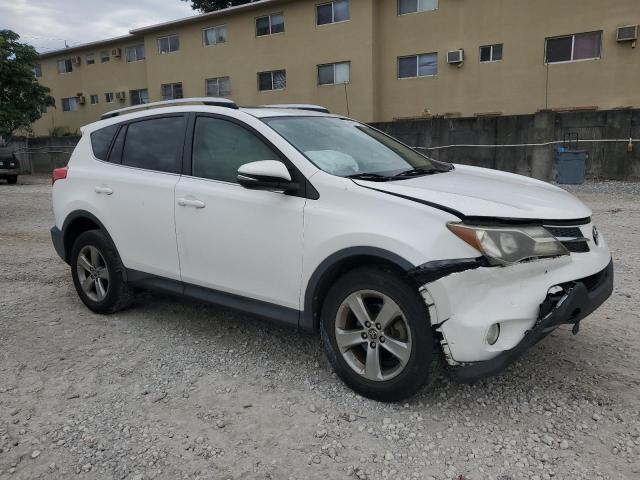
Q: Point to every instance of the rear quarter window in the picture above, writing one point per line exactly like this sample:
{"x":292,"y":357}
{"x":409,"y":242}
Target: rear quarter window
{"x":101,"y":141}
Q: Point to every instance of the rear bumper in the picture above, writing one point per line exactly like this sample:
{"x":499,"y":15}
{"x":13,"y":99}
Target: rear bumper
{"x":9,"y":172}
{"x":579,"y":299}
{"x":58,"y":242}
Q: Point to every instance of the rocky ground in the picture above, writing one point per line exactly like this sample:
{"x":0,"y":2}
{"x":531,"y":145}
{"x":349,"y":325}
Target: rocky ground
{"x":176,"y":389}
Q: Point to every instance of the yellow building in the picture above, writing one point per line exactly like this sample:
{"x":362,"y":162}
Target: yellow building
{"x":375,"y":60}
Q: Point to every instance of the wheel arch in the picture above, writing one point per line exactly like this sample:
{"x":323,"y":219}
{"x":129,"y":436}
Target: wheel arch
{"x":76,"y":223}
{"x":337,"y":265}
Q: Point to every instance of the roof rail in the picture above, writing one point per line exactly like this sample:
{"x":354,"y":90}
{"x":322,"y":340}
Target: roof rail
{"x":299,"y":106}
{"x":212,"y":101}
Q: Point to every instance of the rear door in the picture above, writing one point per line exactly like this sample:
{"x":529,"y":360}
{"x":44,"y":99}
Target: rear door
{"x":134,"y":192}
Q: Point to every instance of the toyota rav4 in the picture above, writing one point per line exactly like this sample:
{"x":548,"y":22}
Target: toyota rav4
{"x":402,"y":263}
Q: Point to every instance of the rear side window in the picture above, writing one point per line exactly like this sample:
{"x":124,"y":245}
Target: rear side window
{"x":101,"y":141}
{"x":221,"y":147}
{"x":154,"y":144}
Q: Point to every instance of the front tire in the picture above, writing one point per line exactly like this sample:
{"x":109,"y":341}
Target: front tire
{"x":12,"y":180}
{"x":98,"y":273}
{"x":377,"y":335}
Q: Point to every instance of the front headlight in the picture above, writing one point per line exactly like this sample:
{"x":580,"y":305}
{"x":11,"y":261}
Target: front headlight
{"x":509,"y":244}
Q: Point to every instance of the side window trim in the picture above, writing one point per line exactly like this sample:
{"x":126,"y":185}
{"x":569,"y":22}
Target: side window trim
{"x":306,"y":191}
{"x":123,"y":129}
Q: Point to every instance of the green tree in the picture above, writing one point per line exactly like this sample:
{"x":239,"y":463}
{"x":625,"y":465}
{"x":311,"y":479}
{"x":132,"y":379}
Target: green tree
{"x":22,"y":98}
{"x":205,"y":6}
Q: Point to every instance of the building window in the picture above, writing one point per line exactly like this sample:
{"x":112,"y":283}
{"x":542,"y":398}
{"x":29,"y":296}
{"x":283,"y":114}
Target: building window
{"x":218,"y":87}
{"x":139,"y":97}
{"x":270,"y":24}
{"x":168,"y":44}
{"x":414,"y":6}
{"x":70,"y":104}
{"x":332,"y":12}
{"x":94,"y":99}
{"x":170,"y":91}
{"x":214,"y":35}
{"x":105,"y":56}
{"x":275,"y":80}
{"x":37,"y":70}
{"x":90,"y":59}
{"x":491,"y":53}
{"x":109,"y":97}
{"x":425,"y":65}
{"x":65,"y":66}
{"x":135,"y":53}
{"x":334,"y":73}
{"x":569,"y":48}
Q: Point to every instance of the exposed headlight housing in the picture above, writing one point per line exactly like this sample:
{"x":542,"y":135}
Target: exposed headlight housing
{"x":506,"y":245}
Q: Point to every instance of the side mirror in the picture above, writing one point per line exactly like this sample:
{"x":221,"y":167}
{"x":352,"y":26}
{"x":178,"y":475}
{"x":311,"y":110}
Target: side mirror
{"x":269,"y":175}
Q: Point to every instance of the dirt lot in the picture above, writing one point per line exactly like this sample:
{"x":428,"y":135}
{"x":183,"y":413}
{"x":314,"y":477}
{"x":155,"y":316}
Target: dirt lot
{"x":176,"y":389}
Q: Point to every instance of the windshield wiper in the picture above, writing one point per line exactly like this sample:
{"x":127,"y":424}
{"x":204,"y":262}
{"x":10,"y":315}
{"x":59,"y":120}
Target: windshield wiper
{"x":415,"y":172}
{"x":372,"y":177}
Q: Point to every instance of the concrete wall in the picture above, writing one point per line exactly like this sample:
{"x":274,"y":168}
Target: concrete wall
{"x":606,"y":160}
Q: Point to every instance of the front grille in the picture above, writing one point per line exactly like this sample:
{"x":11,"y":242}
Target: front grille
{"x":567,"y":234}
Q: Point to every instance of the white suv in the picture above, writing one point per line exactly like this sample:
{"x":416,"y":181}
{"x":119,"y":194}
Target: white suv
{"x":323,"y":223}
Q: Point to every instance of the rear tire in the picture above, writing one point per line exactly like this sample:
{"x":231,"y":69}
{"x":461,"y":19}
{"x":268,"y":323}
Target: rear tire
{"x":12,"y":180}
{"x":98,"y":273}
{"x":398,"y":335}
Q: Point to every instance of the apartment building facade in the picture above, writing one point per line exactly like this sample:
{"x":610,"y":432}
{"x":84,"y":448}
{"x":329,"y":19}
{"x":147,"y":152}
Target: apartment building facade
{"x":374,"y":60}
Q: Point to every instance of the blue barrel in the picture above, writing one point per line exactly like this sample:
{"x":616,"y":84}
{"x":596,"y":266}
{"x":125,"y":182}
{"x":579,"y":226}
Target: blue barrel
{"x":570,"y":166}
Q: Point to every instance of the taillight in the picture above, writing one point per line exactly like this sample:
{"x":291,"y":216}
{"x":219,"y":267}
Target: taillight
{"x":59,"y":174}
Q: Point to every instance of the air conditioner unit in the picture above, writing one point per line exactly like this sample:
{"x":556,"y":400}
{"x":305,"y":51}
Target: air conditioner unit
{"x":122,"y":96}
{"x":628,"y":33}
{"x":82,"y":99}
{"x":116,"y":52}
{"x":76,"y":60}
{"x":455,"y":57}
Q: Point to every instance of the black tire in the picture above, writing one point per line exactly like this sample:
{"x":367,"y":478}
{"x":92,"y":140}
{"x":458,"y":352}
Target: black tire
{"x":12,"y":180}
{"x":118,"y":294}
{"x":423,"y":366}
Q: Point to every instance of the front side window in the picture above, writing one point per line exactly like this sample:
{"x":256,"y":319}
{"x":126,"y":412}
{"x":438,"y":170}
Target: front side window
{"x":414,"y":6}
{"x":109,"y":97}
{"x":332,"y":12}
{"x":424,"y":65}
{"x":94,"y":99}
{"x":168,"y":44}
{"x":154,"y":144}
{"x":70,"y":104}
{"x":334,"y":73}
{"x":135,"y":53}
{"x":214,"y":35}
{"x":270,"y":24}
{"x":220,"y":147}
{"x":276,"y":80}
{"x":569,"y":48}
{"x":169,"y":91}
{"x":90,"y":58}
{"x":139,"y":97}
{"x":218,"y":87}
{"x":65,"y":66}
{"x":101,"y":141}
{"x":105,"y":56}
{"x":491,"y":53}
{"x":344,"y":147}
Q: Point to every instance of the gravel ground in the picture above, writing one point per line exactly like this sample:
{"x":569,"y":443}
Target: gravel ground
{"x":176,"y":389}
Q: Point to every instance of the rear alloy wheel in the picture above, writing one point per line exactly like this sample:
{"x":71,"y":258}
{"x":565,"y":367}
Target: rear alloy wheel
{"x":98,"y":273}
{"x":377,"y":335}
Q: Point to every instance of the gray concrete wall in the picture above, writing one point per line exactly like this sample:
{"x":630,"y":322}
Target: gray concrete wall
{"x":606,"y":160}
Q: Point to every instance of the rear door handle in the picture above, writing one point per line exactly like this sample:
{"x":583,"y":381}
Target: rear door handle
{"x":191,"y":202}
{"x":103,"y":189}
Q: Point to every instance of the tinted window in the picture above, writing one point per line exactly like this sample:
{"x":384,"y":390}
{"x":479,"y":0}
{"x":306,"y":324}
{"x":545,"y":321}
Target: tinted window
{"x":221,"y":147}
{"x":154,"y":144}
{"x":101,"y":141}
{"x":116,"y":150}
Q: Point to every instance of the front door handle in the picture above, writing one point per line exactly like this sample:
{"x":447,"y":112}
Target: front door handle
{"x":191,"y":202}
{"x":103,"y":189}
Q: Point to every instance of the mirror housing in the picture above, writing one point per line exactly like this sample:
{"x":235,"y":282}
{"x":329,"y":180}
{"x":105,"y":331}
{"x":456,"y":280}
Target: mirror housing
{"x":271,"y":175}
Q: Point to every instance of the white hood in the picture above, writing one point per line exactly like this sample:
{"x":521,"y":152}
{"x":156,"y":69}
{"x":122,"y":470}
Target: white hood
{"x":482,"y":192}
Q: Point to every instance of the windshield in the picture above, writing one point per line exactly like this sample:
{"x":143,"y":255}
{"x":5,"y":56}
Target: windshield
{"x":350,"y":149}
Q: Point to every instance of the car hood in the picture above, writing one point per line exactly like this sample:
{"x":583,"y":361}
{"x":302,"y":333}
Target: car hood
{"x":483,"y":192}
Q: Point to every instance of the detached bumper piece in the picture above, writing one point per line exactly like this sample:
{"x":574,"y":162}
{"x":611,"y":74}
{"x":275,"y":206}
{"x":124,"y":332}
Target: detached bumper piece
{"x":575,"y":301}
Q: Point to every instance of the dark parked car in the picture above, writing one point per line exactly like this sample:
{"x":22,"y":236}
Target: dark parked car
{"x":9,"y":165}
